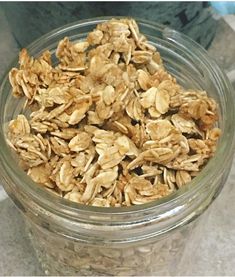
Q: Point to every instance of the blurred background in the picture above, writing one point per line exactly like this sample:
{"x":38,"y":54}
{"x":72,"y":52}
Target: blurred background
{"x":30,"y":20}
{"x":212,"y":24}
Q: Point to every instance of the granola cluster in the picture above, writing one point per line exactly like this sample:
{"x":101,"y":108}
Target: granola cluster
{"x":108,"y":125}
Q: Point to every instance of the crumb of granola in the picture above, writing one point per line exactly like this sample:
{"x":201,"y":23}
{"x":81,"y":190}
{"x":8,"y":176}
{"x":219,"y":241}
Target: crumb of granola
{"x":108,"y":125}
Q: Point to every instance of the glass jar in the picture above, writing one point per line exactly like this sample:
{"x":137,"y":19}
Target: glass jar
{"x":149,"y":239}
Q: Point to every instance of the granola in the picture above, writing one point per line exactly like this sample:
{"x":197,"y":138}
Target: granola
{"x":108,"y":125}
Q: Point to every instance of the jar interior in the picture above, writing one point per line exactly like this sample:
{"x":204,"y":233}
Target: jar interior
{"x":182,"y":63}
{"x":190,"y":70}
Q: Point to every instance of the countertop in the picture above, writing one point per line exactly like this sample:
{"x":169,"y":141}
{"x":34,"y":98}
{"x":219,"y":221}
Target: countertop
{"x":215,"y":254}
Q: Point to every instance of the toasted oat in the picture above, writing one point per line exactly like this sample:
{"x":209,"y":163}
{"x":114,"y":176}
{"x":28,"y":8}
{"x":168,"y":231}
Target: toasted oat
{"x":80,"y":142}
{"x":109,"y":126}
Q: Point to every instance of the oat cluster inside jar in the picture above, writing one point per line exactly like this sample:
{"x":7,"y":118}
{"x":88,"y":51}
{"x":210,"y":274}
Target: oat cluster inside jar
{"x":108,"y":125}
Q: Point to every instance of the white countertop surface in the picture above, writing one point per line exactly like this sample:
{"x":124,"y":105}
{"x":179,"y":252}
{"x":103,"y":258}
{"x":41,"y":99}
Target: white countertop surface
{"x":215,"y":254}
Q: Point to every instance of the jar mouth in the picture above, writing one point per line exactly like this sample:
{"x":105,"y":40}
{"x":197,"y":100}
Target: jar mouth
{"x":10,"y":168}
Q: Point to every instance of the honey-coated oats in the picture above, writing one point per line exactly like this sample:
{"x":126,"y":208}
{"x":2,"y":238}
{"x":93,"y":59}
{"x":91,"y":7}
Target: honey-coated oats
{"x":108,"y":125}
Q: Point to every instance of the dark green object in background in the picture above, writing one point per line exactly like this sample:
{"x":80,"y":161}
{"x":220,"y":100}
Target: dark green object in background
{"x":29,"y":21}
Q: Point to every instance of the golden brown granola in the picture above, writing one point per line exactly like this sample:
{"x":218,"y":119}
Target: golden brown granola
{"x":109,"y":126}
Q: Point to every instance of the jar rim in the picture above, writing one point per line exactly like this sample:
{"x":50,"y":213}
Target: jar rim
{"x":223,"y":152}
